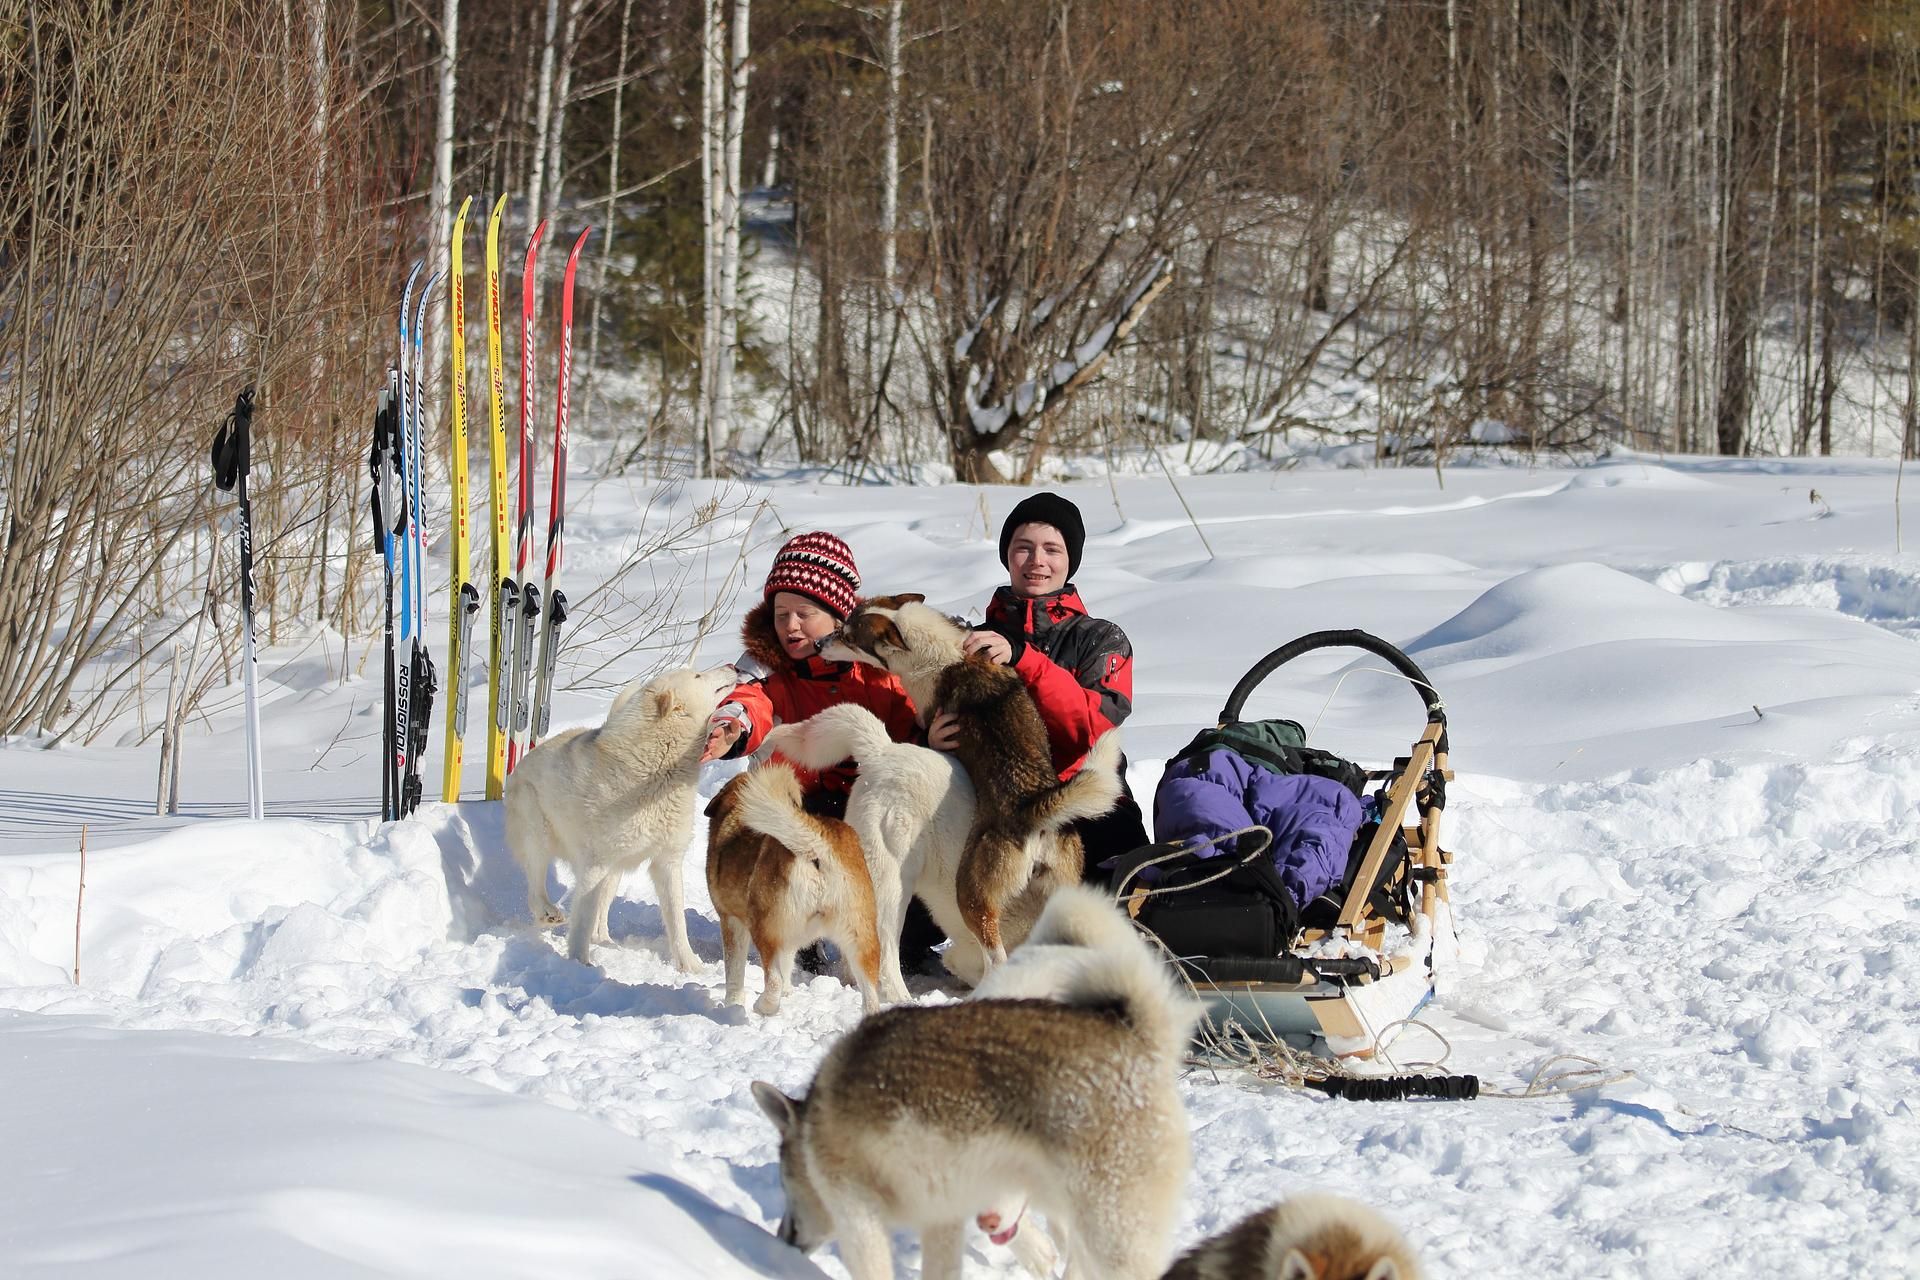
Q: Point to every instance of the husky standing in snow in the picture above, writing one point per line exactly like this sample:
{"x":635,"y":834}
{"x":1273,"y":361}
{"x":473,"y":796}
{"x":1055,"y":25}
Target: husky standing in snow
{"x":782,"y":878}
{"x":911,"y":808}
{"x":1018,"y":849}
{"x":607,"y":800}
{"x":923,"y":1116}
{"x":1308,"y":1237}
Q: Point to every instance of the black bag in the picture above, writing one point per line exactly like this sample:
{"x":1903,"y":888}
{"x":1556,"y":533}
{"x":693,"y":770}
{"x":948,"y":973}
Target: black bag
{"x":1244,"y":912}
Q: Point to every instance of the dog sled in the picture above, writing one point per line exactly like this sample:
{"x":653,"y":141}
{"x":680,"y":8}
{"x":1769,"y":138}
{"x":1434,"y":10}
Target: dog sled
{"x":1343,"y":974}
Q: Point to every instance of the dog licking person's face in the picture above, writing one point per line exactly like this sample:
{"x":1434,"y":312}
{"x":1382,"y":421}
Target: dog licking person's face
{"x":800,"y":624}
{"x":1037,"y":560}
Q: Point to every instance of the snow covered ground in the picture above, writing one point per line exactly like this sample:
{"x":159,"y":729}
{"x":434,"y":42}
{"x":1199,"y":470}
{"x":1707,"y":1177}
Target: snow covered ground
{"x":1685,"y":701}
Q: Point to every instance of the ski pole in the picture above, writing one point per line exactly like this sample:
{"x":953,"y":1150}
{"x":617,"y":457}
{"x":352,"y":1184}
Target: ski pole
{"x":232,"y":457}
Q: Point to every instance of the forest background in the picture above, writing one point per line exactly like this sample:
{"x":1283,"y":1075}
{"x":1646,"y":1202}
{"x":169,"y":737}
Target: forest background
{"x":972,"y":240}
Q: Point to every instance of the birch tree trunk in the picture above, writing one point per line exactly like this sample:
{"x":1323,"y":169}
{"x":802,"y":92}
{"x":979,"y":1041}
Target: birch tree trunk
{"x":890,"y":157}
{"x":440,"y":202}
{"x":606,"y":239}
{"x":542,"y":112}
{"x":736,"y":119}
{"x":712,"y":150}
{"x":557,"y":118}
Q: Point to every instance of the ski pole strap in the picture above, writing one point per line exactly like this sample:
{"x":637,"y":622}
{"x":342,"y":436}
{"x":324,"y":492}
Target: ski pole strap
{"x":232,"y":443}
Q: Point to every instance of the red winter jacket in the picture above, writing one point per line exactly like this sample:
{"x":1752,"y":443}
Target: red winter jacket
{"x":786,"y":692}
{"x":1079,"y":669}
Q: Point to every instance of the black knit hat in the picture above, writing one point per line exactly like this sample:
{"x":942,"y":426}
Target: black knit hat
{"x":1048,"y":508}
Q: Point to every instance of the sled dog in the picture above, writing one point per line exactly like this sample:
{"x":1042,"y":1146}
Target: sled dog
{"x":607,"y":800}
{"x":1308,"y":1237}
{"x":924,"y":1115}
{"x":782,"y":878}
{"x":1018,"y":850}
{"x":911,"y":808}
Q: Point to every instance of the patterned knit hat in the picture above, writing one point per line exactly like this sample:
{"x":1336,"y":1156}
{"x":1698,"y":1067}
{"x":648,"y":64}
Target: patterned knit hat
{"x":820,"y":567}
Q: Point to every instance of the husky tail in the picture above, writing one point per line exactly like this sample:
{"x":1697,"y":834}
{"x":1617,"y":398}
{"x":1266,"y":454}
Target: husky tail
{"x":828,"y":737}
{"x":1087,"y":794}
{"x":770,"y":804}
{"x":1084,"y":951}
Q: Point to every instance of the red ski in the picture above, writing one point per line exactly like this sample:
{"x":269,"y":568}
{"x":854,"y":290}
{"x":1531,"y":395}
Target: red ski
{"x":556,"y":612}
{"x":528,"y":594}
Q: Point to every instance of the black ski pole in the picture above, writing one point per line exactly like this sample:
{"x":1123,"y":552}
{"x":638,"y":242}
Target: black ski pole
{"x":232,"y":458}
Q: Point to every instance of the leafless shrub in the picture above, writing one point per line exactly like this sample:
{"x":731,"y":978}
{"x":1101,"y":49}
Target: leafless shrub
{"x":160,"y":248}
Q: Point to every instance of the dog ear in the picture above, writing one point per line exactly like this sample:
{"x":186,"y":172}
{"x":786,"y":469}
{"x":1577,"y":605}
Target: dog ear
{"x":885,"y":631}
{"x":1296,"y":1267}
{"x":718,"y":803}
{"x":1385,"y":1269}
{"x":782,"y":1110}
{"x":662,"y":701}
{"x":909,"y":597}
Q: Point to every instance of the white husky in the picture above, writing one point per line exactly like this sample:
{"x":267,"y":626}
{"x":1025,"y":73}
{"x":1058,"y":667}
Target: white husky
{"x":606,"y":800}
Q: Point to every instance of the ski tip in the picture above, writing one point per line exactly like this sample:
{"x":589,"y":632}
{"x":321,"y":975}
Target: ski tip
{"x":499,"y":206}
{"x":579,"y":244}
{"x":465,"y":205}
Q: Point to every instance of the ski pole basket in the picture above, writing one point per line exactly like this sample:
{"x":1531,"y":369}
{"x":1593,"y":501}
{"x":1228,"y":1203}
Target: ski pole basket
{"x":1348,"y":966}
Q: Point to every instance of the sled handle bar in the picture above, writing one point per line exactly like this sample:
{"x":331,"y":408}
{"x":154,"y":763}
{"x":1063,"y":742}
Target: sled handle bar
{"x":1436,"y":709}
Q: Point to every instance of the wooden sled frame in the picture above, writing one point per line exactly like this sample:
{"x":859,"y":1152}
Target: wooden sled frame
{"x":1355,"y":1013}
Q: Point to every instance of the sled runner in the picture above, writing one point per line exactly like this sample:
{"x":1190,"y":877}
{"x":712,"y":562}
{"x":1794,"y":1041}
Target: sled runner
{"x":1351,"y":964}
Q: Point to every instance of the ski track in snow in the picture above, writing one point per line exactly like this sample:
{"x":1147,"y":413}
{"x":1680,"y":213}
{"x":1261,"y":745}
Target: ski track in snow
{"x":1736,"y":928}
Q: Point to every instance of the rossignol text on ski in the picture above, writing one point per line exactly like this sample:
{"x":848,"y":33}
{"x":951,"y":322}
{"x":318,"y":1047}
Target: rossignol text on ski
{"x":389,"y":515}
{"x":419,"y":662}
{"x":403,"y":680}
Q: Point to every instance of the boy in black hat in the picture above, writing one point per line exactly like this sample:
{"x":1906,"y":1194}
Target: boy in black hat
{"x":1078,"y":668}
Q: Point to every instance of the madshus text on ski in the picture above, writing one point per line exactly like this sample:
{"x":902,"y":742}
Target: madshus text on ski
{"x":527,"y":610}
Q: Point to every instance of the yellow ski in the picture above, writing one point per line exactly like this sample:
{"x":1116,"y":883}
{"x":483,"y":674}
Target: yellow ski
{"x":497,"y":391}
{"x":466,"y":598}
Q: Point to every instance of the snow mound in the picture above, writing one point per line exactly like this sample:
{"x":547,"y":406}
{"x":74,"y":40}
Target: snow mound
{"x":1565,"y":607}
{"x":1635,"y":675}
{"x":183,"y":1154}
{"x":1283,"y":571}
{"x":1882,"y":590}
{"x":1638,"y":475}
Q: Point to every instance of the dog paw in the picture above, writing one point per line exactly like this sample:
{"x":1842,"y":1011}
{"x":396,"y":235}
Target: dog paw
{"x":767,"y":1005}
{"x":688,"y":963}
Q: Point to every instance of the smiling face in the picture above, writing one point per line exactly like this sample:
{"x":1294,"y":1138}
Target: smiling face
{"x":1037,"y":560}
{"x":799,"y":623}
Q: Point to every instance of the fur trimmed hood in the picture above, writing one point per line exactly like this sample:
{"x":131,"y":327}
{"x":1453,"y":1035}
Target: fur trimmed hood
{"x":759,"y":642}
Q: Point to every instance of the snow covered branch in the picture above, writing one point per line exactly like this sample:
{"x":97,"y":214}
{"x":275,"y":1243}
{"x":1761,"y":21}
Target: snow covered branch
{"x":1033,"y":397}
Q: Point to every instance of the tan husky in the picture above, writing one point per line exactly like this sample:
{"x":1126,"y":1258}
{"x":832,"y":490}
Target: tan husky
{"x":923,"y":1116}
{"x":1309,"y":1237}
{"x":1018,"y":850}
{"x":782,"y":878}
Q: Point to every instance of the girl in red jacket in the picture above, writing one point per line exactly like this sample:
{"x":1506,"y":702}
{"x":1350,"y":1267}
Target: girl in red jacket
{"x":812,"y":587}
